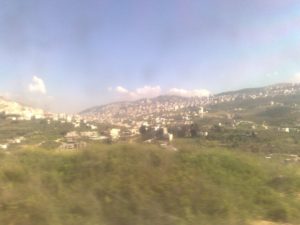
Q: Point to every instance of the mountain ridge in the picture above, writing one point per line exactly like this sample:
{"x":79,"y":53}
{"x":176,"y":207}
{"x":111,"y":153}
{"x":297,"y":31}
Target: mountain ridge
{"x":281,"y":88}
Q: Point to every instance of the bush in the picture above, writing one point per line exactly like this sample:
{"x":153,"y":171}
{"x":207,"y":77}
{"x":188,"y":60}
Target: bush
{"x":144,"y":185}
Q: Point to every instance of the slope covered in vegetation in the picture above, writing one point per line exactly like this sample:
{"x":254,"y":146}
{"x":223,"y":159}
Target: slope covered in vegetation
{"x":145,"y":185}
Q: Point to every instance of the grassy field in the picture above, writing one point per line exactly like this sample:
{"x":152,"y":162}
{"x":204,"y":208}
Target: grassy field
{"x":128,"y":184}
{"x":34,"y":130}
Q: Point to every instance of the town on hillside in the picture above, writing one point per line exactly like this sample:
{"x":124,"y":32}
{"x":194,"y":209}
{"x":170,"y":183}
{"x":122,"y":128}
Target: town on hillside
{"x":247,"y":113}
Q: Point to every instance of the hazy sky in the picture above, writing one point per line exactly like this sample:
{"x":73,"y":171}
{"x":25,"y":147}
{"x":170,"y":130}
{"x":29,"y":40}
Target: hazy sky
{"x":66,"y":55}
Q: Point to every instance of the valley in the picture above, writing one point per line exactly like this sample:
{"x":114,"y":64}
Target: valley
{"x":230,"y":159}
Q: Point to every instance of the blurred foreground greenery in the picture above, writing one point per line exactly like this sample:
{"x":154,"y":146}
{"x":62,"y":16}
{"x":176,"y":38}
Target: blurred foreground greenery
{"x":132,"y":184}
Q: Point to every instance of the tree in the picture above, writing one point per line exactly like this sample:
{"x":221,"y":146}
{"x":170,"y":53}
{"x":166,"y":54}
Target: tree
{"x":143,"y":130}
{"x":147,"y":132}
{"x":194,"y":130}
{"x":160,"y":133}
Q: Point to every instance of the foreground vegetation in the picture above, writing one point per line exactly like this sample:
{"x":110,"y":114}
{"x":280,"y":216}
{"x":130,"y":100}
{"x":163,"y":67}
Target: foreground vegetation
{"x":146,"y":185}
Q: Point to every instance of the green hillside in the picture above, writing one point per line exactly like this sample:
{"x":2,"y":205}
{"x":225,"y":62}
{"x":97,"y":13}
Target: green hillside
{"x":284,"y":112}
{"x":145,"y":185}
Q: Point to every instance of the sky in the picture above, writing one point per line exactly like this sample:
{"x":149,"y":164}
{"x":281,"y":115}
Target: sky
{"x":68,"y":55}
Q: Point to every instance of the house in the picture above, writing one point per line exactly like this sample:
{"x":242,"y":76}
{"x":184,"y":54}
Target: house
{"x":92,"y":135}
{"x":69,"y":119}
{"x":204,"y":134}
{"x":16,"y":140}
{"x":265,"y":127}
{"x":72,"y":142}
{"x":3,"y":146}
{"x":170,"y":137}
{"x":72,"y":145}
{"x":115,"y":133}
{"x":76,"y":125}
{"x":103,"y":138}
{"x":93,"y":127}
{"x":72,"y":136}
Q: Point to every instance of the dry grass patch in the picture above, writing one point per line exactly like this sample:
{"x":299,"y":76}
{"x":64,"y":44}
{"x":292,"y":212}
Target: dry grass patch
{"x":263,"y":222}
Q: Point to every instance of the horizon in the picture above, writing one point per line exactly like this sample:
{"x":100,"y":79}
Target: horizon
{"x":168,"y":94}
{"x":69,"y":56}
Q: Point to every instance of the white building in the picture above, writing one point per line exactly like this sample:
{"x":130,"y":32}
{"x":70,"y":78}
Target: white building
{"x":115,"y":133}
{"x":3,"y":146}
{"x":93,"y":127}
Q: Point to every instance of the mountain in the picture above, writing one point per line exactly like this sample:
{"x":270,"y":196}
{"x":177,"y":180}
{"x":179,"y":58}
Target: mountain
{"x":287,"y":94}
{"x":272,"y":90}
{"x":170,"y":104}
{"x":277,"y":105}
{"x":12,"y":108}
{"x":159,"y":101}
{"x":143,"y":109}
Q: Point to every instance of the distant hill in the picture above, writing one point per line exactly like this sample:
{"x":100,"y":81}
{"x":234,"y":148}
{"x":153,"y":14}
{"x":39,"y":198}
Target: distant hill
{"x":145,"y":101}
{"x":286,"y":94}
{"x":9,"y":107}
{"x":158,"y":108}
{"x":276,"y":89}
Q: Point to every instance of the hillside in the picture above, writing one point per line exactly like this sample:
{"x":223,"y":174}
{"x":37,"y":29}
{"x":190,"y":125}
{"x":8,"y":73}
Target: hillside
{"x":159,"y":101}
{"x":271,"y":90}
{"x":234,"y":160}
{"x":145,"y":185}
{"x":232,"y":96}
{"x":276,"y":105}
{"x":9,"y":107}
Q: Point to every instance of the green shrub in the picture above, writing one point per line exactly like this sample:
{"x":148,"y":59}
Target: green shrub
{"x":144,"y":185}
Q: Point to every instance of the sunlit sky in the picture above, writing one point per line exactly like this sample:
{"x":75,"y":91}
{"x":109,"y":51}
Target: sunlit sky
{"x":67,"y":55}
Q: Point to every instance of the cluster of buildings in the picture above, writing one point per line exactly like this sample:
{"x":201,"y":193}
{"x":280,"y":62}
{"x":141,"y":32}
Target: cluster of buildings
{"x":167,"y":110}
{"x":16,"y":111}
{"x":72,"y":141}
{"x":7,"y":143}
{"x":78,"y":139}
{"x":161,"y":112}
{"x":258,"y":93}
{"x":126,"y":118}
